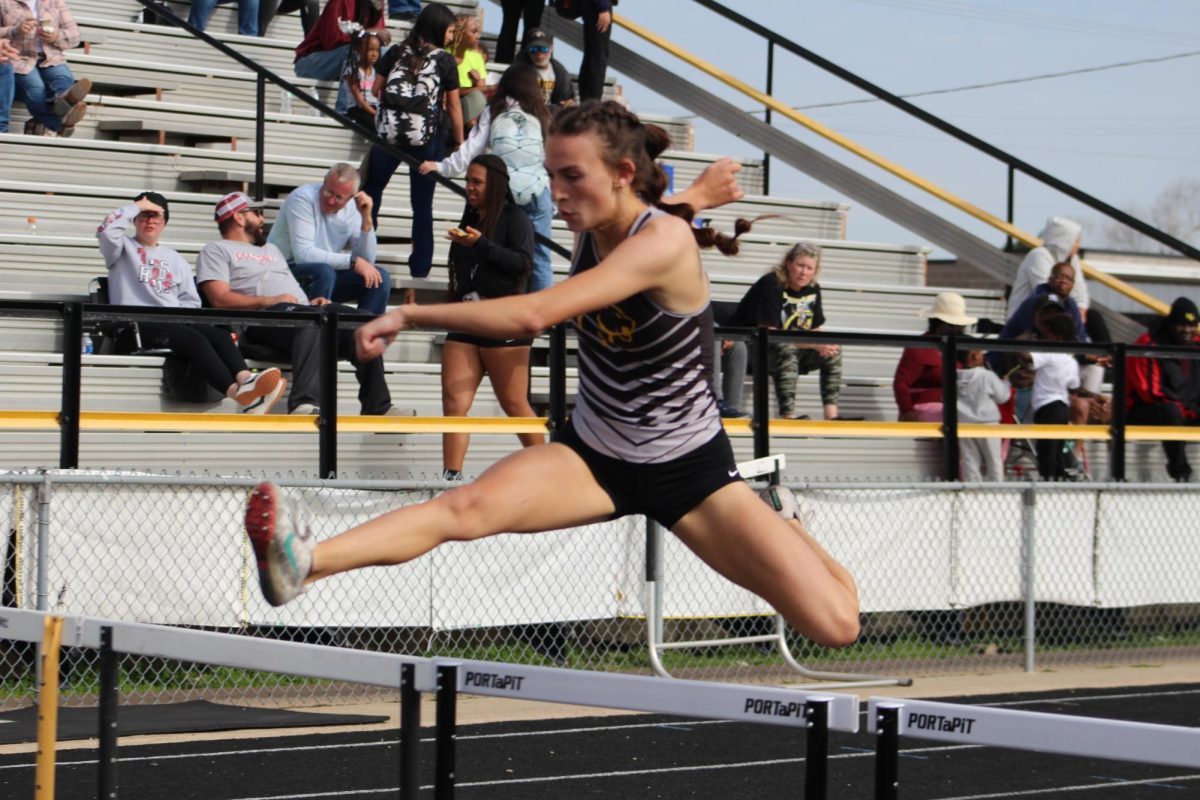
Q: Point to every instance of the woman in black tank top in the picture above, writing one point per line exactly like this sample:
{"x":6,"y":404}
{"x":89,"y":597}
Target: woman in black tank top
{"x":603,"y":179}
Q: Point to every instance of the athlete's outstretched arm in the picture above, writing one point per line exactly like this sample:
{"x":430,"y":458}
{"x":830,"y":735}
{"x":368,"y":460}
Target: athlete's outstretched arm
{"x":643,"y":262}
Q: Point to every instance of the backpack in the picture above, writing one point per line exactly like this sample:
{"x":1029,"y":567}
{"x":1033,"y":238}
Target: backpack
{"x":409,"y":109}
{"x":516,"y":137}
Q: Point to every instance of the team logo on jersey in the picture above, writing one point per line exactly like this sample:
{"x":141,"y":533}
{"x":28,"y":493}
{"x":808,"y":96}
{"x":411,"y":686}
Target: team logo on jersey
{"x":611,"y":325}
{"x":155,"y":273}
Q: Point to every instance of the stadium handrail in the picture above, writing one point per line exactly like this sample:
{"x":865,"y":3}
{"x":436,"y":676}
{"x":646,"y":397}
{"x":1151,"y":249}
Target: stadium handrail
{"x":906,"y":174}
{"x":70,"y":420}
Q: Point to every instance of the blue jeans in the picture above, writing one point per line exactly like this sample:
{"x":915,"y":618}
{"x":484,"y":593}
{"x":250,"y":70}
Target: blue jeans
{"x":342,"y":285}
{"x":539,"y":210}
{"x":247,"y":15}
{"x":328,"y":65}
{"x":380,"y":169}
{"x":6,"y":95}
{"x":404,"y":6}
{"x":39,"y":88}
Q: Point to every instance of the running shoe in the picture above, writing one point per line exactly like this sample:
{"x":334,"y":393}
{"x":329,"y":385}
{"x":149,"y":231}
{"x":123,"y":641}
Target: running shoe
{"x":283,"y":545}
{"x":261,"y":391}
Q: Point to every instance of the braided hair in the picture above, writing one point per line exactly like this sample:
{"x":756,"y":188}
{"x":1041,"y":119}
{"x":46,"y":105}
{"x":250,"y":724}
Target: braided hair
{"x":627,"y":137}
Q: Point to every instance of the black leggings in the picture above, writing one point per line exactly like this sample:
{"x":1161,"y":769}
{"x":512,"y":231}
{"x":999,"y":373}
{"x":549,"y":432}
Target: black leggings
{"x":1049,"y":451}
{"x":506,"y":42}
{"x":1166,"y":413}
{"x":210,"y":349}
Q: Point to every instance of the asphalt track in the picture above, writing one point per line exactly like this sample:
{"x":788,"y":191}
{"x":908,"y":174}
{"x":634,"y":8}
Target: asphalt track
{"x":640,"y":756}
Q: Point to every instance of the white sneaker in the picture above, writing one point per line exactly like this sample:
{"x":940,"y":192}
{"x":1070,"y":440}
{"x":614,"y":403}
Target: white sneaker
{"x":311,"y":409}
{"x":396,"y":411}
{"x":283,"y":545}
{"x":261,"y":391}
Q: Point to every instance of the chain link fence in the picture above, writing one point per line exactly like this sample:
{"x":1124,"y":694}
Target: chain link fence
{"x":952,"y":579}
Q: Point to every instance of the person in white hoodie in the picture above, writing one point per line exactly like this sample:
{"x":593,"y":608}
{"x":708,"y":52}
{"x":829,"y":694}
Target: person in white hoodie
{"x":1060,"y":242}
{"x":980,"y":393}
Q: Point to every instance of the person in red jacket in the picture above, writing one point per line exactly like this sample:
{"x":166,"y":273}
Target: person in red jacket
{"x":917,"y":384}
{"x":1166,"y":391}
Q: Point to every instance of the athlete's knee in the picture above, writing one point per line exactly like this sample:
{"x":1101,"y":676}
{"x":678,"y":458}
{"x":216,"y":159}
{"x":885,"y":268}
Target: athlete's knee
{"x":466,"y":507}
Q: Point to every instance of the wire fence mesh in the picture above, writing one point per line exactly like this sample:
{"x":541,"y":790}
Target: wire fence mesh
{"x":952,"y":578}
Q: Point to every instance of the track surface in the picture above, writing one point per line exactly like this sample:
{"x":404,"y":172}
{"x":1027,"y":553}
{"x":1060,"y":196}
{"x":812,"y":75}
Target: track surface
{"x":638,"y":757}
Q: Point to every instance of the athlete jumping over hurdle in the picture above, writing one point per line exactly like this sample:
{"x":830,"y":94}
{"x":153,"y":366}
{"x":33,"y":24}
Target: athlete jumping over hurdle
{"x":645,"y":436}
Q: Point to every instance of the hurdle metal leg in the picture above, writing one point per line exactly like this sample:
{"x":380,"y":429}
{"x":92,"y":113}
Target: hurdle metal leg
{"x":887,"y":748}
{"x":447,"y":712}
{"x":816,"y":772}
{"x":109,"y":701}
{"x":410,"y":733}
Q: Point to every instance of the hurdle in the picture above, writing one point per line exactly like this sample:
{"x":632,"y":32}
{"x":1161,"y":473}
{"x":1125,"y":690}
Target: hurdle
{"x":771,"y":466}
{"x":816,"y":713}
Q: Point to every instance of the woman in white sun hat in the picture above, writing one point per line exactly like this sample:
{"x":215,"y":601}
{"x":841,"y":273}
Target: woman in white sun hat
{"x":917,"y":384}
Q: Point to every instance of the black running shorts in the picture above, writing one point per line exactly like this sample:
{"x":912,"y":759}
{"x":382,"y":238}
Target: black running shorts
{"x":665,"y":491}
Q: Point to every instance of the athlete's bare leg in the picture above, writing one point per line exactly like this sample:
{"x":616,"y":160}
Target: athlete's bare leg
{"x":747,"y":542}
{"x":540,"y":488}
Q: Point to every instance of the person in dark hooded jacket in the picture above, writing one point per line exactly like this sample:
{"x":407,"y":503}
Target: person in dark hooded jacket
{"x":1166,"y":391}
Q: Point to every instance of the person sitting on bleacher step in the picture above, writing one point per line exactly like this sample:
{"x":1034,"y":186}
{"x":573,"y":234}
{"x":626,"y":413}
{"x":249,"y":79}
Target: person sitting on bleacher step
{"x":329,"y":242}
{"x":142,"y":272}
{"x":43,"y":30}
{"x":242,"y":270}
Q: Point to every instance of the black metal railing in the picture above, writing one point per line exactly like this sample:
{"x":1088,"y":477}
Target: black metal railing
{"x":1013,"y":163}
{"x":76,"y":317}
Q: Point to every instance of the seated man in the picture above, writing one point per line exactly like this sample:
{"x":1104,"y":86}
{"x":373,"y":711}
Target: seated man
{"x":42,"y":78}
{"x":142,"y":272}
{"x":243,"y":271}
{"x":329,"y":242}
{"x":1166,"y":391}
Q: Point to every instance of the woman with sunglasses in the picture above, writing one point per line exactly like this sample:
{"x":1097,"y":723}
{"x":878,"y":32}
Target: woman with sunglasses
{"x":644,"y":438}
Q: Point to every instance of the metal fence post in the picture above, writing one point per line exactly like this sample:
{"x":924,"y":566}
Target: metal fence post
{"x":447,"y":725}
{"x":558,"y":377}
{"x":327,"y":422}
{"x":72,"y":366}
{"x":260,"y":134}
{"x":410,"y":733}
{"x":1028,"y":506}
{"x":762,"y":405}
{"x":816,"y":771}
{"x":42,"y":588}
{"x":887,"y":747}
{"x":110,"y":674}
{"x":766,"y":189}
{"x":1116,"y":461}
{"x":950,"y":407}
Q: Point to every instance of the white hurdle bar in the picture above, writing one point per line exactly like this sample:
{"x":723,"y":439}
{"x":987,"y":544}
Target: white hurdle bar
{"x":1062,"y":734}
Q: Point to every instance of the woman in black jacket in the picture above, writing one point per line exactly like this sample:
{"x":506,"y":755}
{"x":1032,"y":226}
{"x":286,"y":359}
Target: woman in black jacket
{"x":490,"y":256}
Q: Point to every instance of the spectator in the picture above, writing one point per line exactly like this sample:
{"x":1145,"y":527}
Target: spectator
{"x":472,"y":67}
{"x":506,"y":42}
{"x":789,"y":298}
{"x":242,"y":270}
{"x":143,"y":272}
{"x":41,"y":77}
{"x":317,"y":226}
{"x":513,"y":127}
{"x":403,"y":10}
{"x":325,"y":50}
{"x":248,"y":13}
{"x":538,"y":50}
{"x":1060,"y":242}
{"x":490,"y":256}
{"x":1056,"y":376}
{"x":1166,"y":391}
{"x":1059,"y":283}
{"x":979,"y":392}
{"x":362,"y":79}
{"x":7,"y":54}
{"x":597,"y":29}
{"x":917,"y":384}
{"x":417,"y":80}
{"x":310,"y":12}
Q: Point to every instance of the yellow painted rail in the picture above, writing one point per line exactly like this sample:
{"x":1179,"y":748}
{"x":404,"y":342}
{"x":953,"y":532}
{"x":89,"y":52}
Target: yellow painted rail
{"x":283,"y":423}
{"x":1028,"y":239}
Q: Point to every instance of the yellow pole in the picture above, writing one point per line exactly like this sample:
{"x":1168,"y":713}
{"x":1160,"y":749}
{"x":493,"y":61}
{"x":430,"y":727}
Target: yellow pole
{"x":47,"y":728}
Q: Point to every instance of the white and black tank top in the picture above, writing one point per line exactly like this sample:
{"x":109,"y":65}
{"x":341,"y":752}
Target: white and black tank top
{"x":645,"y":374}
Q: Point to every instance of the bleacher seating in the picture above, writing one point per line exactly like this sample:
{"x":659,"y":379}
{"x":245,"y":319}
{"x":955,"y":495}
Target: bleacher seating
{"x":171,"y":113}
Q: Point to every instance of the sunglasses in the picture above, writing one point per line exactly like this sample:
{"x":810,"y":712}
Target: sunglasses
{"x":539,"y":50}
{"x":147,"y":216}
